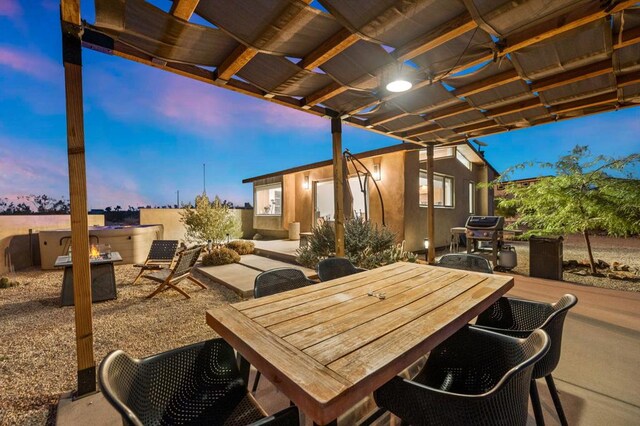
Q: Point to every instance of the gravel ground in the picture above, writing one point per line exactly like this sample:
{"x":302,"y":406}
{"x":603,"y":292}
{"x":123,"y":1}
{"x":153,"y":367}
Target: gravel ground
{"x":623,"y":250}
{"x":37,"y":353}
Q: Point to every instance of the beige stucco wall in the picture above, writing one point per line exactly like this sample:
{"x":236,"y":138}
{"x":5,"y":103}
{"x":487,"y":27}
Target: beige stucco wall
{"x":174,"y":229}
{"x":19,"y":225}
{"x":445,"y":218}
{"x":299,"y":206}
{"x":399,"y":186}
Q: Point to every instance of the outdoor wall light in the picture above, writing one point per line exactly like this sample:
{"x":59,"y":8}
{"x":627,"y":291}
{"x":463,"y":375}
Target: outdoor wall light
{"x":399,"y":85}
{"x":305,"y":182}
{"x":376,"y":174}
{"x":426,"y":243}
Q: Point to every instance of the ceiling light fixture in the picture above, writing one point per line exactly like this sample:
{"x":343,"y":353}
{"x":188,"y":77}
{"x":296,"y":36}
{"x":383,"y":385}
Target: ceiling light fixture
{"x":399,"y":85}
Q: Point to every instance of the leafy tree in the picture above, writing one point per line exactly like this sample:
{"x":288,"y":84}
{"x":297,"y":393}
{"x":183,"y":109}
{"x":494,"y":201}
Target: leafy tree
{"x":31,"y":204}
{"x":582,"y":197}
{"x":210,"y":221}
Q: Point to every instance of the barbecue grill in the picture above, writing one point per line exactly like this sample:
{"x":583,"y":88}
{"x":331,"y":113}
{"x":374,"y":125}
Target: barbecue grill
{"x":484,"y":236}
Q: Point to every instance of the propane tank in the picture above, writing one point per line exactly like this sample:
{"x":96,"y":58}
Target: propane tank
{"x":507,"y":258}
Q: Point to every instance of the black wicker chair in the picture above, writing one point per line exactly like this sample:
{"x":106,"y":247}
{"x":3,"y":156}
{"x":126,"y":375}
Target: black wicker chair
{"x":196,"y":385}
{"x":468,"y":262}
{"x":517,"y":317}
{"x":336,"y":267}
{"x":476,"y":377}
{"x":276,"y":281}
{"x":160,"y":256}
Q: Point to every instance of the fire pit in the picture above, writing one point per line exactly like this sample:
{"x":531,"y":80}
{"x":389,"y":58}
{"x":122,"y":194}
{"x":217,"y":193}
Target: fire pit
{"x":103,"y":276}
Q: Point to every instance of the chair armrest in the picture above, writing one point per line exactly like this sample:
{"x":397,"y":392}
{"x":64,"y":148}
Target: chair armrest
{"x":287,"y":417}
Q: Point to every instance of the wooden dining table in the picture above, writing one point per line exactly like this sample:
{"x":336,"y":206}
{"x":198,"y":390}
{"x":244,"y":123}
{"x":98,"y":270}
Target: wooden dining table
{"x":329,"y":345}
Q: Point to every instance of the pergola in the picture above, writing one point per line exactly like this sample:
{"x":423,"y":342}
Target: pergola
{"x":477,"y":67}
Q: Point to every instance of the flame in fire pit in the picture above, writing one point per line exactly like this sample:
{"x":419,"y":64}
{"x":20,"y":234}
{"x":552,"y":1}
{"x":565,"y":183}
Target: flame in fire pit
{"x":94,"y":253}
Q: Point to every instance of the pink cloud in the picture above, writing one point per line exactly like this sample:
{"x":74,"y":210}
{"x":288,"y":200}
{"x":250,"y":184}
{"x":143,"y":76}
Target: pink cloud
{"x":10,"y":9}
{"x":30,"y":63}
{"x":136,"y":93}
{"x":31,"y":169}
{"x":282,"y":118}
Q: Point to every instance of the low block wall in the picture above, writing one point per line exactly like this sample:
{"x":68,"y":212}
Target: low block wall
{"x":174,"y":229}
{"x":17,"y":251}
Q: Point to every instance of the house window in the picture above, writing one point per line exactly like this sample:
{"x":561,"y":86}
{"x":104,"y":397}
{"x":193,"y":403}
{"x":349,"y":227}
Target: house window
{"x":442,"y":193}
{"x":439,"y":152}
{"x":269,"y":200}
{"x":472,"y":198}
{"x":324,"y":204}
{"x":464,"y":160}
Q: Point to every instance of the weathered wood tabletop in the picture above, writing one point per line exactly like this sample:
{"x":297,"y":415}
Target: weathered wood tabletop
{"x":329,"y":345}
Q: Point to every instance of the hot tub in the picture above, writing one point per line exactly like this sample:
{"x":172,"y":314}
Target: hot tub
{"x":132,"y":242}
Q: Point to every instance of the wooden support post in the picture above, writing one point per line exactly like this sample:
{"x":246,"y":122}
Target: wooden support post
{"x":72,"y":58}
{"x":338,"y":184}
{"x":431,"y":251}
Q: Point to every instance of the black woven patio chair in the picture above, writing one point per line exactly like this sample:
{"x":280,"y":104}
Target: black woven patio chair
{"x":517,"y":317}
{"x":193,"y":385}
{"x":169,"y":278}
{"x":336,"y":267}
{"x":476,"y":377}
{"x":276,"y":281}
{"x":161,"y":255}
{"x":468,"y":262}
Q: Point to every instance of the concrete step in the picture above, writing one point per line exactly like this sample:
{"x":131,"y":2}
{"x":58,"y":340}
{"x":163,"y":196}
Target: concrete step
{"x":240,"y":277}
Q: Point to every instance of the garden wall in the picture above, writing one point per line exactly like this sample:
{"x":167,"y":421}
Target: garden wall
{"x":174,"y":229}
{"x":19,"y":249}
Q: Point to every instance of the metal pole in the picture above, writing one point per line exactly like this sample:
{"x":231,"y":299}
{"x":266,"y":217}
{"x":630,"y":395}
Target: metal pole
{"x":338,"y":184}
{"x":204,"y":180}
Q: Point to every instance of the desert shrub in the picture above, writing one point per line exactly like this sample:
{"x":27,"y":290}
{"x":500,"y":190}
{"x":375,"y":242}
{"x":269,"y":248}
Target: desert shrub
{"x":210,"y":221}
{"x":366,"y":245}
{"x":241,"y":246}
{"x":5,"y":282}
{"x":220,"y":256}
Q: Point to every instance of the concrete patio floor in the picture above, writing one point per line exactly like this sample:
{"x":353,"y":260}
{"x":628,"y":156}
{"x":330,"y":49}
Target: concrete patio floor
{"x":598,"y":376}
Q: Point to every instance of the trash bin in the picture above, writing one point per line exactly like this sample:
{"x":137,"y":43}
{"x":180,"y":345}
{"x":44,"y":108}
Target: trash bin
{"x":545,"y":257}
{"x":294,"y":231}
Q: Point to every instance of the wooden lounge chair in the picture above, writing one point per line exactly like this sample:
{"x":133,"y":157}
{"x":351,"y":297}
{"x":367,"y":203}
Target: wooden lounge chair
{"x":160,"y":256}
{"x":169,"y":278}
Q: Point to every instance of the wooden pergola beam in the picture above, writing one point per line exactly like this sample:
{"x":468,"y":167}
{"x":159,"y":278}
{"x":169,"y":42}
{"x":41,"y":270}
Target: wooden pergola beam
{"x":628,"y":79}
{"x":70,"y":11}
{"x":603,"y":99}
{"x":328,"y":49}
{"x":534,"y":35}
{"x":628,"y":38}
{"x":418,"y":46}
{"x":437,"y":37}
{"x":72,"y":60}
{"x":583,"y":73}
{"x":487,"y":83}
{"x":242,"y":54}
{"x":476,"y":126}
{"x":428,"y":128}
{"x":515,"y":107}
{"x":559,"y":25}
{"x":183,"y":9}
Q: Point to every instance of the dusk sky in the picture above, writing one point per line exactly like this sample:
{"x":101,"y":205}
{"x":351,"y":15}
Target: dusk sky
{"x":148,"y":132}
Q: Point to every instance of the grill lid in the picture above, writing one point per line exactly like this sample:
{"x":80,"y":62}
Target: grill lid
{"x":485,"y":222}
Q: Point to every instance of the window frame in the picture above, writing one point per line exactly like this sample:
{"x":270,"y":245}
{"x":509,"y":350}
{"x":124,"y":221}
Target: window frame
{"x":267,"y":187}
{"x":471,"y":198}
{"x":444,"y":177}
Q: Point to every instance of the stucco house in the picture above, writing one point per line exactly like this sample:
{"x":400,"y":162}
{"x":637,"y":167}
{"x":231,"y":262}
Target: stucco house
{"x":305,"y":193}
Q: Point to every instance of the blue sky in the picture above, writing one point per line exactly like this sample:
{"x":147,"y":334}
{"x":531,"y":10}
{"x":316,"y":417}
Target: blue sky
{"x":148,"y":132}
